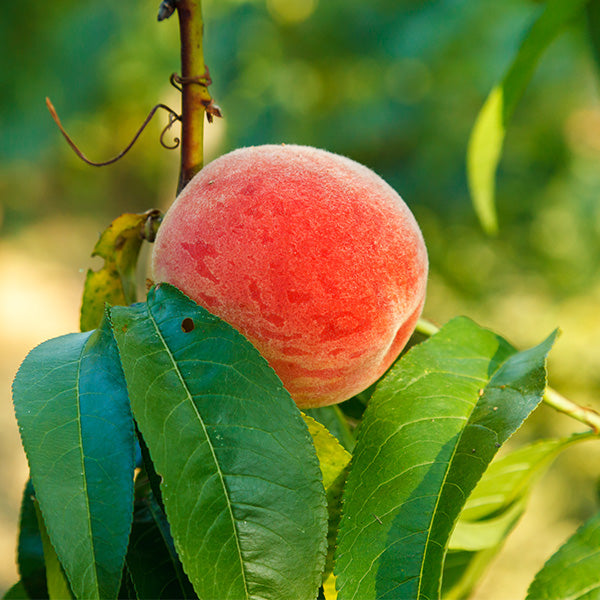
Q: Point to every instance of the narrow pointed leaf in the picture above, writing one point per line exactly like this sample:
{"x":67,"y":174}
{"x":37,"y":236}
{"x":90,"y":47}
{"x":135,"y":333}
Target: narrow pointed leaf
{"x":30,"y":550}
{"x":573,"y":573}
{"x":493,"y":510}
{"x":73,"y":413}
{"x":487,"y":137}
{"x":115,"y":283}
{"x":431,"y":428}
{"x":479,"y":535}
{"x":241,"y":482}
{"x":151,"y":544}
{"x":510,"y":478}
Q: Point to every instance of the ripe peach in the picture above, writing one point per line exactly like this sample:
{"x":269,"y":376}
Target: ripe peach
{"x":310,"y":255}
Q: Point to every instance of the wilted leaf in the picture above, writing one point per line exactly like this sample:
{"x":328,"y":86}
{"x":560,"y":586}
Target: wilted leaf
{"x":573,"y":573}
{"x":241,"y":482}
{"x":487,"y":136}
{"x":431,"y":428}
{"x":73,"y":413}
{"x":115,"y":282}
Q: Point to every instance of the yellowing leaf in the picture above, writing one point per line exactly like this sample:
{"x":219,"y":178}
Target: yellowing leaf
{"x":115,"y":282}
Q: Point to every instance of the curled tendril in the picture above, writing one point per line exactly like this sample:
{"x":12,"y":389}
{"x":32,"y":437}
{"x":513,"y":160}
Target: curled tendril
{"x":173,"y":116}
{"x":176,"y":141}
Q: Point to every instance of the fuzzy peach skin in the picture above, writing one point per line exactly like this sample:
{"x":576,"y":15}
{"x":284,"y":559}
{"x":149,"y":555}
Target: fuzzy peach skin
{"x":310,"y":255}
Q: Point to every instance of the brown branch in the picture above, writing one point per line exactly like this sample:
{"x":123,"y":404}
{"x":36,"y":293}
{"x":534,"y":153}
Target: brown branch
{"x":195,"y":95}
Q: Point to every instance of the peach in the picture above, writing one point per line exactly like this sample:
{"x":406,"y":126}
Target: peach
{"x":310,"y":255}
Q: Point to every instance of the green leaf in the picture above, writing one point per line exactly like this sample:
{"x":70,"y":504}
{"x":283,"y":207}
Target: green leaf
{"x":487,"y":137}
{"x":73,"y":413}
{"x":241,"y":482}
{"x":488,"y":533}
{"x":593,"y":22}
{"x":30,"y":551}
{"x":115,"y":283}
{"x":17,"y":592}
{"x":56,"y":581}
{"x":573,"y":573}
{"x":510,"y":478}
{"x":494,"y":508}
{"x":152,"y":560}
{"x":463,"y":570}
{"x":431,"y":428}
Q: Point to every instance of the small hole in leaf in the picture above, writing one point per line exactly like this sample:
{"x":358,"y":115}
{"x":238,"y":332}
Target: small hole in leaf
{"x":187,"y":325}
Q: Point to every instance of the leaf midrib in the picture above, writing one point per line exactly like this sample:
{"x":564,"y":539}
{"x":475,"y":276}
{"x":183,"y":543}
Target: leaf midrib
{"x":448,"y":468}
{"x":83,"y":468}
{"x":210,"y":445}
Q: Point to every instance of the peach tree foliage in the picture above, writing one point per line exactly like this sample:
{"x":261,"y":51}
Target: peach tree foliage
{"x":167,"y":460}
{"x":249,"y":487}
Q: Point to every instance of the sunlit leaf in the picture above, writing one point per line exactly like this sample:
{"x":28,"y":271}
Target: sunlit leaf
{"x":241,"y":482}
{"x":333,"y":458}
{"x":511,"y":477}
{"x":487,"y":533}
{"x":329,"y":590}
{"x":73,"y":413}
{"x":494,"y":508}
{"x":431,"y":428}
{"x":463,"y":571}
{"x":334,"y":419}
{"x":115,"y":282}
{"x":487,"y":136}
{"x":30,"y":551}
{"x":573,"y":573}
{"x":334,"y":461}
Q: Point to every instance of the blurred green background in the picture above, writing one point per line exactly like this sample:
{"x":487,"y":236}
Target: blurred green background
{"x":394,"y":84}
